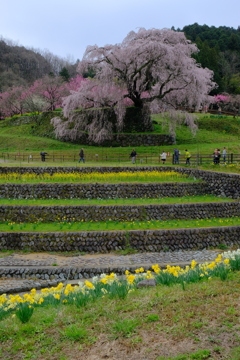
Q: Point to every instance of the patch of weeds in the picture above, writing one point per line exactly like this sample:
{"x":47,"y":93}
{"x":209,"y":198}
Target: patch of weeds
{"x":125,"y":327}
{"x":136,"y":340}
{"x":26,"y":251}
{"x":235,"y":353}
{"x":218,"y":349}
{"x":199,"y":355}
{"x":4,"y":253}
{"x":222,"y":247}
{"x":75,"y":333}
{"x":228,"y":324}
{"x":231,"y":310}
{"x":47,"y":319}
{"x":196,"y":339}
{"x":165,"y":248}
{"x":126,"y":251}
{"x":152,"y":317}
{"x":28,"y":330}
{"x":5,"y":334}
{"x":54,"y":264}
{"x":198,"y":325}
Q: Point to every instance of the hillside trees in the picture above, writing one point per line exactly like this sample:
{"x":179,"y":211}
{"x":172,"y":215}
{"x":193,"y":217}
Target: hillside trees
{"x":219,"y":51}
{"x":149,"y":68}
{"x":20,"y":66}
{"x":45,"y":94}
{"x":25,"y":65}
{"x":12,"y":101}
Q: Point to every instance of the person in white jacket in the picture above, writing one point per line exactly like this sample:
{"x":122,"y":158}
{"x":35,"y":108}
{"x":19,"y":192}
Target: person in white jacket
{"x":163,"y":157}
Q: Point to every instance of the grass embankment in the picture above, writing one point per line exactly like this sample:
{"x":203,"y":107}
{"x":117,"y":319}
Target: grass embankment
{"x":78,"y":177}
{"x":110,"y":225}
{"x":193,"y":319}
{"x":214,"y":132}
{"x":102,"y":202}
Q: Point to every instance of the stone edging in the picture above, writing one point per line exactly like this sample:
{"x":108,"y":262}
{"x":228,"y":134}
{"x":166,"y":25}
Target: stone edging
{"x":118,"y":212}
{"x":107,"y":241}
{"x":100,"y":191}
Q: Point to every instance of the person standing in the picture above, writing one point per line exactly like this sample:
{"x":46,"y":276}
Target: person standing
{"x":224,"y":154}
{"x":219,"y":155}
{"x":215,"y":156}
{"x":133,"y":156}
{"x":176,"y":156}
{"x":81,"y":154}
{"x":163,"y":157}
{"x":43,"y":155}
{"x":187,"y":156}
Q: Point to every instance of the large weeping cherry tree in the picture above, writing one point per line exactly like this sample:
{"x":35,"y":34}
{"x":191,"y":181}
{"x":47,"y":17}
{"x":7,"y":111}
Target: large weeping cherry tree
{"x":151,"y":69}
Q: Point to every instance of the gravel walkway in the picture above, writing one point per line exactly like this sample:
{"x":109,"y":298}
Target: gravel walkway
{"x":111,"y":260}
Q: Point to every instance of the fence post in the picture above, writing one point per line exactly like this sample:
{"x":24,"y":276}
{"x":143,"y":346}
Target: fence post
{"x":231,"y":158}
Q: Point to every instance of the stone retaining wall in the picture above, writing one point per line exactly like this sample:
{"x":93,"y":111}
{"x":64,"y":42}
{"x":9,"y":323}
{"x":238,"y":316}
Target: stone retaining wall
{"x":100,"y":191}
{"x":107,"y":241}
{"x":60,"y":169}
{"x":135,"y":140}
{"x":220,"y":184}
{"x":118,"y":213}
{"x":61,"y":273}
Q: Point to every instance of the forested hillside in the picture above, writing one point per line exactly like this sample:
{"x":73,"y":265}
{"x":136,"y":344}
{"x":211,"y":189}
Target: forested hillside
{"x":219,"y":51}
{"x":21,"y":66}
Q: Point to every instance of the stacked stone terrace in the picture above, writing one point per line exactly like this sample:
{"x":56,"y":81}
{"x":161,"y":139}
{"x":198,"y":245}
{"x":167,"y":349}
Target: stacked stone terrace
{"x":106,"y":241}
{"x":154,"y":242}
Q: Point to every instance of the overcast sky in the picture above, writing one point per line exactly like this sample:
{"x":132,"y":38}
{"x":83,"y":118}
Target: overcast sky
{"x":66,"y":28}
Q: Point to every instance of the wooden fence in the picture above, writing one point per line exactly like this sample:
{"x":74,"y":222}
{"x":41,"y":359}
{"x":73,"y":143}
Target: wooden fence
{"x":196,"y":159}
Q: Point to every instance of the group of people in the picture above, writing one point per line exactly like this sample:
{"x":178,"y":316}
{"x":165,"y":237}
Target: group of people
{"x":163,"y":156}
{"x":217,"y":154}
{"x":176,"y":154}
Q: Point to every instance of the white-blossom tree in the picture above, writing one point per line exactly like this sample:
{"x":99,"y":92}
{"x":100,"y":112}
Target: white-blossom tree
{"x":150,"y":68}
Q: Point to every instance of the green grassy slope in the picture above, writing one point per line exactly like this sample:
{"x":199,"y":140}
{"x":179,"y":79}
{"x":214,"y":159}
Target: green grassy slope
{"x":16,"y":136}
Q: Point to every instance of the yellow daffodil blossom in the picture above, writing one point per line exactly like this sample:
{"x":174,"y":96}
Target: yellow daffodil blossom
{"x":89,"y":285}
{"x":57,"y":296}
{"x":11,"y":302}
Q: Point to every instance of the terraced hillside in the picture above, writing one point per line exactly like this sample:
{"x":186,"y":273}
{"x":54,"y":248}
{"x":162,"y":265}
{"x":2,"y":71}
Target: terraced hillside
{"x":96,"y":228}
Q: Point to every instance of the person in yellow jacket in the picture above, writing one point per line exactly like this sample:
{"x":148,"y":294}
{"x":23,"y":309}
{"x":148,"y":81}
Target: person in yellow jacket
{"x":187,"y":156}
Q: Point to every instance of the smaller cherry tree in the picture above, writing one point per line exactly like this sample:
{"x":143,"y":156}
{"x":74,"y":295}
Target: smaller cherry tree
{"x":12,"y":102}
{"x":51,"y":90}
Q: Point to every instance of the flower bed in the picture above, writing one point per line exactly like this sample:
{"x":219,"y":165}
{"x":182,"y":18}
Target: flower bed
{"x":113,"y":287}
{"x":81,"y":177}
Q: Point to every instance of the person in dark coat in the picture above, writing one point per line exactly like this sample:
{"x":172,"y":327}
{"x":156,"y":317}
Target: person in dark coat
{"x":176,"y":156}
{"x":43,"y":155}
{"x":133,"y":156}
{"x":81,"y":154}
